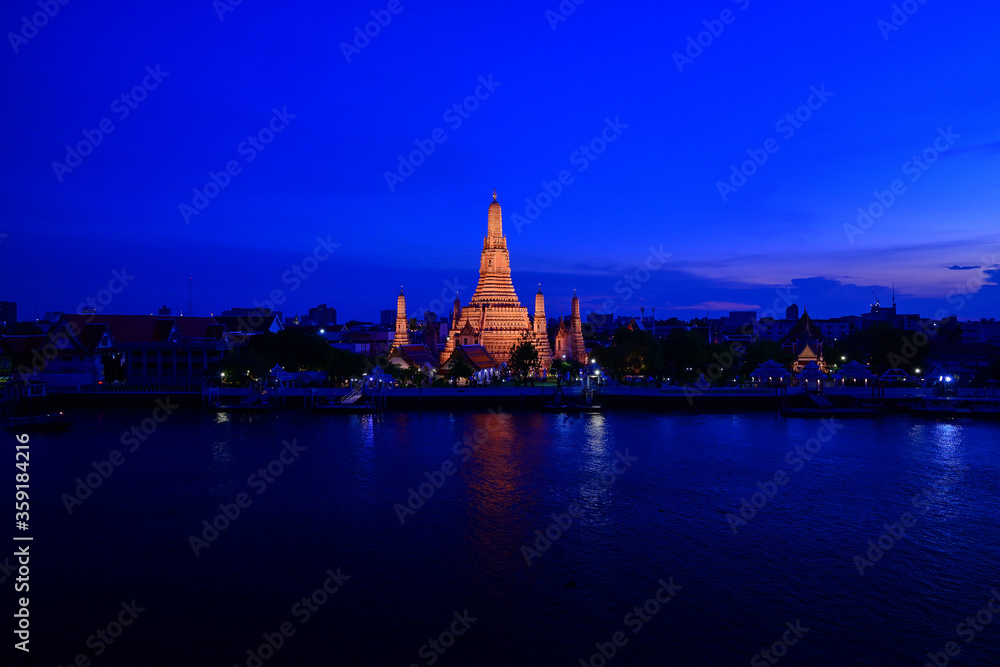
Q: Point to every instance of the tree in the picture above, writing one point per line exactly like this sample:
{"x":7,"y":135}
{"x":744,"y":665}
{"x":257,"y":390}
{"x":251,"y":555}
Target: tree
{"x":524,"y":357}
{"x":761,"y":351}
{"x":682,"y":350}
{"x":460,"y":366}
{"x":292,"y":349}
{"x":989,"y":374}
{"x":885,"y":347}
{"x":345,"y":365}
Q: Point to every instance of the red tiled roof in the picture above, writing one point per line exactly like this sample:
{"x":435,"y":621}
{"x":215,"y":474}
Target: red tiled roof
{"x":131,"y":329}
{"x":255,"y":324}
{"x":805,"y":329}
{"x":92,"y":334}
{"x":21,"y":344}
{"x":417,"y":355}
{"x":198,"y":327}
{"x":124,"y":328}
{"x":478,"y":356}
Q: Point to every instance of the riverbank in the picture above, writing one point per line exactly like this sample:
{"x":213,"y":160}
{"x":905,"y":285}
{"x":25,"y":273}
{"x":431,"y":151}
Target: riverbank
{"x":668,"y":399}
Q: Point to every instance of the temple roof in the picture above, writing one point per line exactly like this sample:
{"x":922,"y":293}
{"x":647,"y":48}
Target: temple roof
{"x":856,"y":371}
{"x":811,"y":371}
{"x":804,"y":329}
{"x":417,"y":355}
{"x":478,"y":356}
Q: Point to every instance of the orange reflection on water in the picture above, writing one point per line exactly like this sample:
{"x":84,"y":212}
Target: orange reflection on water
{"x":506,"y":459}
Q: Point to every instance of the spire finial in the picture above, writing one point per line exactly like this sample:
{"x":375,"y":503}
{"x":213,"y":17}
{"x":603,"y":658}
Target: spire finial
{"x":494,"y":194}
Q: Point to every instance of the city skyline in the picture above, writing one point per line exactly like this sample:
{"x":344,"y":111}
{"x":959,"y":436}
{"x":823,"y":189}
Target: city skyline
{"x":599,"y":166}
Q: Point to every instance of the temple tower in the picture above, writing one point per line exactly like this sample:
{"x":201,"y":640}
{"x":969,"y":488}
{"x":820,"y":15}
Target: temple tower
{"x":578,"y":349}
{"x":402,"y":336}
{"x":563,"y":347}
{"x":494,"y":314}
{"x":540,"y":331}
{"x":494,"y":285}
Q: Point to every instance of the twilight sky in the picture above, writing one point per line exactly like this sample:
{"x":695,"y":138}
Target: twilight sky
{"x":311,"y":121}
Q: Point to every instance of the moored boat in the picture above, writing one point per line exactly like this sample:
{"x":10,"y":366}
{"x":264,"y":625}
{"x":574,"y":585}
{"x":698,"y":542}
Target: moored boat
{"x":55,"y":421}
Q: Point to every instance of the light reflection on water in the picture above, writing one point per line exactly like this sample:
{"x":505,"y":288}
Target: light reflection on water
{"x":664,"y":516}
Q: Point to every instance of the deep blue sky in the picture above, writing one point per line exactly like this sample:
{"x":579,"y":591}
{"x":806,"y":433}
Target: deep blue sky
{"x":655,"y":185}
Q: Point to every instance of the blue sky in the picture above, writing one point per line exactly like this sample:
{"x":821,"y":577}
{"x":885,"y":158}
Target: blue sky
{"x":672,"y":129}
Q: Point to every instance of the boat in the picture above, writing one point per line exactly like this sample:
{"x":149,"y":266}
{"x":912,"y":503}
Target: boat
{"x":935,"y":406}
{"x":587,"y":402}
{"x":56,"y":421}
{"x":255,"y":401}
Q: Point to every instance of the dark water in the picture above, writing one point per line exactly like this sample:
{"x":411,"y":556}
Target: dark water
{"x":665,"y":516}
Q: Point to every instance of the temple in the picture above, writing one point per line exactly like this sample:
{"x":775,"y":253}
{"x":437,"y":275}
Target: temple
{"x":805,"y":342}
{"x":494,"y":318}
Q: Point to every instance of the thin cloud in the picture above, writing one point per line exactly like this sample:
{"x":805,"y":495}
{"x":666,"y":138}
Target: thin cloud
{"x":719,"y":305}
